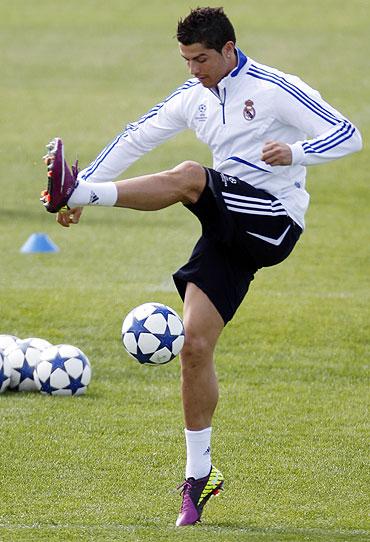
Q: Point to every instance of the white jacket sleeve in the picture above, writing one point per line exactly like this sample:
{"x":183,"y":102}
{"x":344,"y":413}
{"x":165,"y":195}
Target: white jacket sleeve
{"x":329,"y":134}
{"x":163,"y":121}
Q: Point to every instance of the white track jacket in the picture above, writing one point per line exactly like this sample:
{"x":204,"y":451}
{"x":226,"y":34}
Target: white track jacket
{"x":252,"y":104}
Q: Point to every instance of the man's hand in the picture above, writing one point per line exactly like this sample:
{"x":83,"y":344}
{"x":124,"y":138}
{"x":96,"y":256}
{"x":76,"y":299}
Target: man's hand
{"x":65,"y":217}
{"x":275,"y":153}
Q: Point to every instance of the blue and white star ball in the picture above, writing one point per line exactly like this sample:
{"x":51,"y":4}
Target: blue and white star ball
{"x":63,"y":370}
{"x":7,"y":340}
{"x":153,"y":333}
{"x":23,"y":357}
{"x":5,"y":372}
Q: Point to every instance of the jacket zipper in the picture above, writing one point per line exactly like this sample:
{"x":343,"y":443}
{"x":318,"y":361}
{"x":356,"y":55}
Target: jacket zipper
{"x":223,"y":107}
{"x":222,"y":103}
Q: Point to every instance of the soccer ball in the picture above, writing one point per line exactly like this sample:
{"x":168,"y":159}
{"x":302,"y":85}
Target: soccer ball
{"x":23,"y":356}
{"x":7,"y":340}
{"x":153,"y":333}
{"x":63,"y":370}
{"x":5,"y":372}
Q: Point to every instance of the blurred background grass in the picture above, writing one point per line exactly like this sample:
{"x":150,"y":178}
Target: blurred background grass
{"x":290,"y":432}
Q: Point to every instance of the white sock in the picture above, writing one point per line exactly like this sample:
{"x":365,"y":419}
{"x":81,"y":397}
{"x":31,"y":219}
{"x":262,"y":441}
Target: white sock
{"x":93,"y":194}
{"x":198,"y":453}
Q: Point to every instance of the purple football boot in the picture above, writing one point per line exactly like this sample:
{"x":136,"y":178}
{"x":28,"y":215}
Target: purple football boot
{"x":195,"y":494}
{"x":61,"y":180}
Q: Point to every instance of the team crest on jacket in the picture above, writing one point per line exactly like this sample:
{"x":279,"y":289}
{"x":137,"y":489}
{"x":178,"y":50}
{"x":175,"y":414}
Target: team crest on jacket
{"x":249,"y":112}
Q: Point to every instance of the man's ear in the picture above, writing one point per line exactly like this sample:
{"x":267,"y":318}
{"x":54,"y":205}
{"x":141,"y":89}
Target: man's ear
{"x":228,"y":49}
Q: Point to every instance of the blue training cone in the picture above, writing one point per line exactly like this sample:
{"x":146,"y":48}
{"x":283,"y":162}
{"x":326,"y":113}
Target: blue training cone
{"x":37,"y":243}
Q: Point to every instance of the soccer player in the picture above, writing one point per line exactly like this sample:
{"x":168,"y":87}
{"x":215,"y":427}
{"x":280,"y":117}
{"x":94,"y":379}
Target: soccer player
{"x":263,"y":128}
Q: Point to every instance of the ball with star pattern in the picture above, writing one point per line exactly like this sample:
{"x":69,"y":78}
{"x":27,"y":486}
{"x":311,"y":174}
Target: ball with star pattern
{"x":6,"y":341}
{"x":153,"y":333}
{"x":63,"y":370}
{"x":23,"y":356}
{"x":5,"y":372}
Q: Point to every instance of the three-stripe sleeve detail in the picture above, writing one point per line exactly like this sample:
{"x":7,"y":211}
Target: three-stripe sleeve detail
{"x":345,"y":128}
{"x":344,"y":132}
{"x":153,"y":112}
{"x":294,"y":91}
{"x":134,"y":126}
{"x":100,"y":158}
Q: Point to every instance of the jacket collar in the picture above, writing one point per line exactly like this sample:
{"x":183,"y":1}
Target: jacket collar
{"x":242,"y":60}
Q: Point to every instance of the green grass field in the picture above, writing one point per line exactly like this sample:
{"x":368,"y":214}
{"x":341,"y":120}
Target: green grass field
{"x":291,"y":431}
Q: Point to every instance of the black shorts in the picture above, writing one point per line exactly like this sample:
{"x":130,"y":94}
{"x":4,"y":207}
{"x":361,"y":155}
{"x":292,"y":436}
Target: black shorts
{"x":243,"y":229}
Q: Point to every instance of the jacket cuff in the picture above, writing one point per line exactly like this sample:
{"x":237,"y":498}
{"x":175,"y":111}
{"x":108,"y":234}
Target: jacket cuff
{"x":297,"y":153}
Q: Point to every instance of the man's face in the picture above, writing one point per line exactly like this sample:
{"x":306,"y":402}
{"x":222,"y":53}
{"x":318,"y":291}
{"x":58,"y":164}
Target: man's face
{"x":208,"y":65}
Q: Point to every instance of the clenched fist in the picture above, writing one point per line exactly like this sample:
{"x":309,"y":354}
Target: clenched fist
{"x":275,"y":153}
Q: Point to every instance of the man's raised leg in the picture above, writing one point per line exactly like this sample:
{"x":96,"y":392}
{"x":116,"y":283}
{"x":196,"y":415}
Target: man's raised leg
{"x":67,"y":193}
{"x":184,"y":183}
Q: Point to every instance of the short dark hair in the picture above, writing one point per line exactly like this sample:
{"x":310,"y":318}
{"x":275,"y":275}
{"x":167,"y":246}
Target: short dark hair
{"x":209,"y":26}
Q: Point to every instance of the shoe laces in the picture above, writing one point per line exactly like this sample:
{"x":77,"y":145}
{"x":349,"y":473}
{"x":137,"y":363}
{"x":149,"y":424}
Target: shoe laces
{"x":185,"y":489}
{"x":75,"y":169}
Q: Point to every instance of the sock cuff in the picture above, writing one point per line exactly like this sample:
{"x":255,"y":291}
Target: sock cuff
{"x":87,"y":193}
{"x":198,"y":436}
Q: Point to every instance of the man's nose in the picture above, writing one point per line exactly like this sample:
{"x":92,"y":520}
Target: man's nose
{"x":193,"y":68}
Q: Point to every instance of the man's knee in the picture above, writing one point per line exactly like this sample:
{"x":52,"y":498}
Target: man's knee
{"x":191,"y":177}
{"x":196,"y":352}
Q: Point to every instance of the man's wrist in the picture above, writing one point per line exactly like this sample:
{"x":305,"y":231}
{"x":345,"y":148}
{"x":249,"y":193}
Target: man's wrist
{"x":297,"y":153}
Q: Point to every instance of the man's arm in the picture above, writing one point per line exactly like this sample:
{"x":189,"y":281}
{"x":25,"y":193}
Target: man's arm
{"x":333,"y":136}
{"x":160,"y":123}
